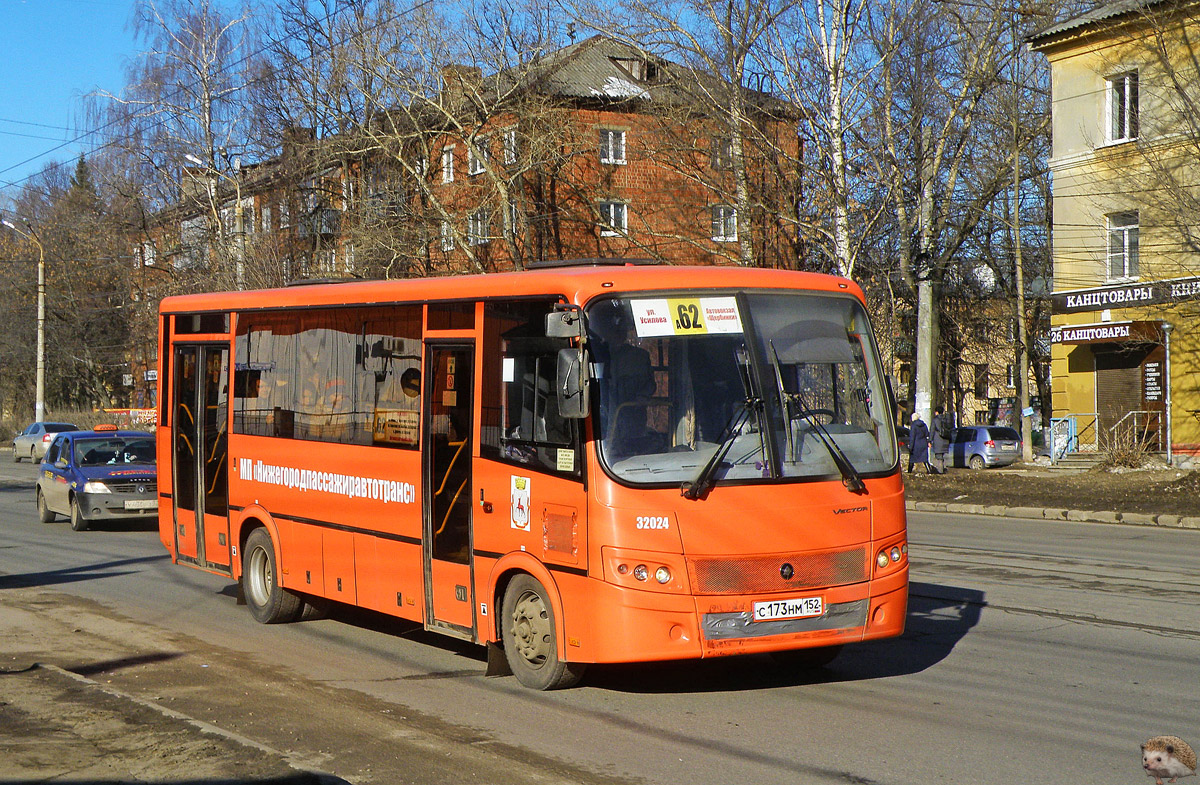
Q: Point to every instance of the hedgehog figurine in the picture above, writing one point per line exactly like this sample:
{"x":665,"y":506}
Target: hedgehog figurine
{"x":1168,"y":756}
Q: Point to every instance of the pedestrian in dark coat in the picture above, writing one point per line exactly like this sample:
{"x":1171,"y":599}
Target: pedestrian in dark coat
{"x":918,"y":444}
{"x":941,"y":428}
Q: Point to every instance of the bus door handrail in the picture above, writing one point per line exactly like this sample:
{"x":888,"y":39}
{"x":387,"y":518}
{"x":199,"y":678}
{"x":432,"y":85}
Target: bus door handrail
{"x":446,"y":476}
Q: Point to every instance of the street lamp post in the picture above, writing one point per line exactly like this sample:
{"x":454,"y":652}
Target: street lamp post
{"x":1167,"y":327}
{"x":238,"y":216}
{"x":39,"y":402}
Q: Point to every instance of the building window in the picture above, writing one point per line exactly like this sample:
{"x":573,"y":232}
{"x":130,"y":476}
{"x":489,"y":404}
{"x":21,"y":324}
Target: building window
{"x":447,"y":164}
{"x":510,"y":146}
{"x":1123,"y":107}
{"x":1123,"y":246}
{"x":477,"y":228}
{"x":149,"y":253}
{"x":724,"y":223}
{"x":475,"y":157}
{"x":512,"y":219}
{"x":613,"y":218}
{"x":447,"y":236}
{"x":981,"y":381}
{"x":612,"y":146}
{"x":722,"y":153}
{"x":639,"y":69}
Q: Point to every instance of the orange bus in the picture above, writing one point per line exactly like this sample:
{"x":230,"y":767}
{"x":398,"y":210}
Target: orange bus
{"x":587,"y":462}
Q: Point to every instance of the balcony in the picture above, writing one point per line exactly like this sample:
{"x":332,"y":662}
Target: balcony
{"x":320,"y":222}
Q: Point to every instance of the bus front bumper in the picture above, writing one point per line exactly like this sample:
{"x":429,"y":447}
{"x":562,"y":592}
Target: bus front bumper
{"x":647,"y":626}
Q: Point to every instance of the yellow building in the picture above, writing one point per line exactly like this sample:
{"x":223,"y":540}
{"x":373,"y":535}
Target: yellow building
{"x":1126,"y":125}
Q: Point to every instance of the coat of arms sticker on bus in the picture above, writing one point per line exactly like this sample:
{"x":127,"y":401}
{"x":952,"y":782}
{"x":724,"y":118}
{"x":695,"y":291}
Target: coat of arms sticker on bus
{"x":520,"y":503}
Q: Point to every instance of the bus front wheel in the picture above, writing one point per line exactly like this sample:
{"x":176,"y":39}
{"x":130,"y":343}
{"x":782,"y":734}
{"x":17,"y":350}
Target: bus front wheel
{"x":530,"y":638}
{"x":269,"y":602}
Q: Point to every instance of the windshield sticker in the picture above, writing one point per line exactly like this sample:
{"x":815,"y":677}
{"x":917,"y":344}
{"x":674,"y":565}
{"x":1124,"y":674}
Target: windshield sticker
{"x":686,"y":316}
{"x":520,"y":502}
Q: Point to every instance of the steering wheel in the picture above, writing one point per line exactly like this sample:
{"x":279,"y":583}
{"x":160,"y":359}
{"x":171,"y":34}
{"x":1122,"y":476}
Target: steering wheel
{"x":814,"y":413}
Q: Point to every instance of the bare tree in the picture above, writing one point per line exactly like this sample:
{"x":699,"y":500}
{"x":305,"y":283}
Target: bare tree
{"x":182,"y":118}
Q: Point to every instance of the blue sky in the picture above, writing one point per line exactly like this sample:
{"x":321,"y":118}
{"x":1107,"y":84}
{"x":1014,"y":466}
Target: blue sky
{"x":52,"y":53}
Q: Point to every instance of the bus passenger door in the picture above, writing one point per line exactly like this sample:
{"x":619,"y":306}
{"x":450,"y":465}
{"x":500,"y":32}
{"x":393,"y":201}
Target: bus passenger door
{"x":200,"y":460}
{"x":449,"y":422}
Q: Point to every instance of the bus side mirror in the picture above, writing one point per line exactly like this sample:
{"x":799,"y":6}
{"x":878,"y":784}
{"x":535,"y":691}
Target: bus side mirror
{"x":565,"y":321}
{"x":572,"y":384}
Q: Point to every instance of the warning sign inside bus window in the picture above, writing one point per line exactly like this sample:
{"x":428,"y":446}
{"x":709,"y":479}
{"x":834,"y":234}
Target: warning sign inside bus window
{"x":686,"y":316}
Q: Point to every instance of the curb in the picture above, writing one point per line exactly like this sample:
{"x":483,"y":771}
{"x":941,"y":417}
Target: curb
{"x":1088,"y":516}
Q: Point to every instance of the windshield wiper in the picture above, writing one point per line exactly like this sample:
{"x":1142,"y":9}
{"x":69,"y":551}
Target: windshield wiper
{"x":704,"y":478}
{"x":850,"y":476}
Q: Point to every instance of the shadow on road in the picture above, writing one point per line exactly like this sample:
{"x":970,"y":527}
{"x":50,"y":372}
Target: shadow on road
{"x":939,"y":617}
{"x":83,"y":572}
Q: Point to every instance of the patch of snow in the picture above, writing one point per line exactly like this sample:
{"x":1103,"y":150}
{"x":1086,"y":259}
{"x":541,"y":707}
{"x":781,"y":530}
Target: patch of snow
{"x":616,"y":87}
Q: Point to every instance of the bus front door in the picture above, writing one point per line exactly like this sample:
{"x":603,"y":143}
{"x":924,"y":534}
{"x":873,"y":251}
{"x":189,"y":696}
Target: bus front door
{"x":449,"y":422}
{"x":200,"y":460}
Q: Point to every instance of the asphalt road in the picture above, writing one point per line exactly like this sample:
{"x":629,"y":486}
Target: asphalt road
{"x":1034,"y":650}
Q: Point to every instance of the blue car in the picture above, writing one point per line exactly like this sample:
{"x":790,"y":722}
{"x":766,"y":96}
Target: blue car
{"x":981,"y":446}
{"x":104,"y":474}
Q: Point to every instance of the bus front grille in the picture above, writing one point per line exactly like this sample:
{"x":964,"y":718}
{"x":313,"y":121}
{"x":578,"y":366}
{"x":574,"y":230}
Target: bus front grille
{"x":763,"y":574}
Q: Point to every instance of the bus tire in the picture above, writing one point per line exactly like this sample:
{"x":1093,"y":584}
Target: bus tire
{"x":78,"y":522}
{"x":806,"y":659}
{"x":45,"y":514}
{"x":269,"y":602}
{"x":530,"y":636}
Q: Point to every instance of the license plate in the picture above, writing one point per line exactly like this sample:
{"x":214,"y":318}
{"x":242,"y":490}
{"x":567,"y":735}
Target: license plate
{"x":141,"y":504}
{"x":797,"y":608}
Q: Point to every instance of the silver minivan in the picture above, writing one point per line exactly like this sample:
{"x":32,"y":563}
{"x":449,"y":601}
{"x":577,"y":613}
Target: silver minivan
{"x":980,"y":446}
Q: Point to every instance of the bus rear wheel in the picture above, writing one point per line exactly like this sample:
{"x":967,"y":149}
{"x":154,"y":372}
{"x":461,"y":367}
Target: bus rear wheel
{"x":269,"y":602}
{"x":530,"y":638}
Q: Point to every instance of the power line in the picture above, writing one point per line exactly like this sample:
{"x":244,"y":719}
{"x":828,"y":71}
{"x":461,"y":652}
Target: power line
{"x":183,"y":89}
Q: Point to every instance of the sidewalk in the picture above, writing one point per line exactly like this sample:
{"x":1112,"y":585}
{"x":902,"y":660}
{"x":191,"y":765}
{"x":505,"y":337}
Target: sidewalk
{"x":1054,"y":514}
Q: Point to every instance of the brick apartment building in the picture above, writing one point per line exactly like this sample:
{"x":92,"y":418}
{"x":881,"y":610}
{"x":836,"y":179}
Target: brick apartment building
{"x":593,"y":150}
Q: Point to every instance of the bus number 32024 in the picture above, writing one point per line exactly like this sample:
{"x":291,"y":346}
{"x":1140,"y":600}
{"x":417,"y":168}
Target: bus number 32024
{"x":653,"y":522}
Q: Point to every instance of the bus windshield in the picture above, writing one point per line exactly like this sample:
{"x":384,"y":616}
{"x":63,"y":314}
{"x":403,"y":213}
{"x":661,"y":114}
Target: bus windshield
{"x":761,"y":385}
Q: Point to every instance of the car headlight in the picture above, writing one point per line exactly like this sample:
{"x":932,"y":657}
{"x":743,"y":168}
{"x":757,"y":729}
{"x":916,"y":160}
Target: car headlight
{"x":95,"y":486}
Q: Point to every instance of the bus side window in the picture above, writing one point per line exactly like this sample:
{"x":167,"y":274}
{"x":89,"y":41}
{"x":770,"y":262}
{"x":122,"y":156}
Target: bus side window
{"x":520,"y":367}
{"x":391,"y":364}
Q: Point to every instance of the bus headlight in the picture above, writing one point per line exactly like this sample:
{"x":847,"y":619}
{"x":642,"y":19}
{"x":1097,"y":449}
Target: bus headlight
{"x":890,"y":557}
{"x":645,"y":570}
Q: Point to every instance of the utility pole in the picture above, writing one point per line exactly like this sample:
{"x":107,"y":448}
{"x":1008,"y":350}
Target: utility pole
{"x":1022,"y":370}
{"x":39,"y":400}
{"x":925,"y":304}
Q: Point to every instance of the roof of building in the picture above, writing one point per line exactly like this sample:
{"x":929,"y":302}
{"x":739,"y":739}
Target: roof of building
{"x":1117,"y":10}
{"x":606,"y":70}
